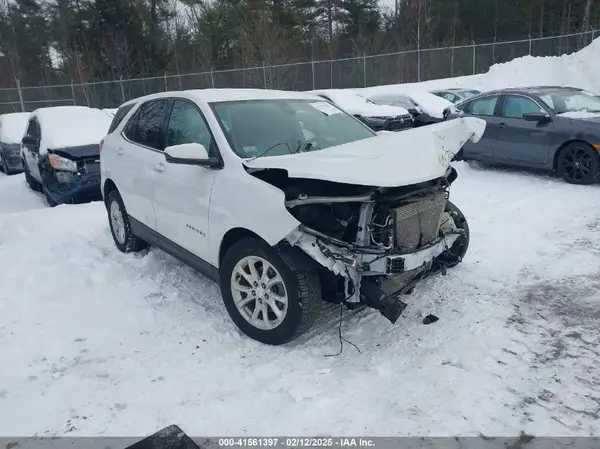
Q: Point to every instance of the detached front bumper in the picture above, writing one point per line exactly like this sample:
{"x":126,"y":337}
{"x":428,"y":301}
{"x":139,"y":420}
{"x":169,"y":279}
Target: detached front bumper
{"x":67,"y":187}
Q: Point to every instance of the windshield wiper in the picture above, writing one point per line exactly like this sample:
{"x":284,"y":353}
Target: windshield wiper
{"x":269,"y":149}
{"x":303,"y":146}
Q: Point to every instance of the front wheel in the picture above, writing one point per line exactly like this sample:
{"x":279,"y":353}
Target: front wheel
{"x":120,"y":226}
{"x":454,"y":255}
{"x":266,"y":298}
{"x":31,"y":181}
{"x":578,"y":163}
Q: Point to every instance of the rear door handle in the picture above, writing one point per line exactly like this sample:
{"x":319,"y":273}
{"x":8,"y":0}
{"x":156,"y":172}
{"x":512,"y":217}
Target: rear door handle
{"x":120,"y":151}
{"x":159,"y":167}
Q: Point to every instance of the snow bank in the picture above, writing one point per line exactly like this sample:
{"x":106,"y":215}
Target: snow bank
{"x":354,"y":103}
{"x":578,"y":69}
{"x":12,"y":127}
{"x":71,"y":126}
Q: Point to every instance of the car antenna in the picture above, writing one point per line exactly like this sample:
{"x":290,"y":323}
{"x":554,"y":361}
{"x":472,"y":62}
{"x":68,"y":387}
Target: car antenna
{"x":269,"y":149}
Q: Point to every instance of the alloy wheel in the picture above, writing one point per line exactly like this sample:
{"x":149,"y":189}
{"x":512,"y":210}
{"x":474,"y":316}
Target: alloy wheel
{"x":259,"y":292}
{"x":116,"y":220}
{"x":578,"y":163}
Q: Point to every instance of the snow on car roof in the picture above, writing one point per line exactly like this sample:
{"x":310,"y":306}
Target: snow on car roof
{"x":12,"y":126}
{"x":221,"y":95}
{"x":71,"y":126}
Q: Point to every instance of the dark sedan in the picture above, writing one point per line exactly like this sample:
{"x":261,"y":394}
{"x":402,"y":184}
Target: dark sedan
{"x":551,"y":127}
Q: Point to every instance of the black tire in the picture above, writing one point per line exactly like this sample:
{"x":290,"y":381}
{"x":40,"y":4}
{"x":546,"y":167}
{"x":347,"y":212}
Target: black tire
{"x":302,"y":286}
{"x":578,"y":163}
{"x":131,"y":243}
{"x":453,"y":256}
{"x":31,"y":181}
{"x":5,"y":168}
{"x":49,"y":199}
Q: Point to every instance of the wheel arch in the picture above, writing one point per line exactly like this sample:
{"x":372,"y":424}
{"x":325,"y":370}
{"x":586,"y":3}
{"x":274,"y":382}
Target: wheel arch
{"x":561,"y":147}
{"x":295,"y":258}
{"x":108,"y":187}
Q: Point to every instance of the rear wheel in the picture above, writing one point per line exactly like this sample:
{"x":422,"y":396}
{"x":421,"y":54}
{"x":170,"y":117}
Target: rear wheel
{"x":578,"y":163}
{"x":120,"y":227}
{"x":454,"y":255}
{"x":266,"y":298}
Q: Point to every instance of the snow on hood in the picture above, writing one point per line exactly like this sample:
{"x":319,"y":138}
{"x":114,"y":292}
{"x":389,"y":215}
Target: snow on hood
{"x":71,"y":126}
{"x":356,"y":104}
{"x":386,"y":160}
{"x":429,"y":103}
{"x":12,"y":127}
{"x":581,"y":115}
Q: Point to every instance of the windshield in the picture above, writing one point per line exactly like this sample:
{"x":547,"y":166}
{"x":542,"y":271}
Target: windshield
{"x":562,"y":101}
{"x":469,"y":93}
{"x":274,"y":127}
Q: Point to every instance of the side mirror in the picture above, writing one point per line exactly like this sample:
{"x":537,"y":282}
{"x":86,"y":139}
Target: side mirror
{"x":29,"y":140}
{"x":190,"y":154}
{"x":536,"y":117}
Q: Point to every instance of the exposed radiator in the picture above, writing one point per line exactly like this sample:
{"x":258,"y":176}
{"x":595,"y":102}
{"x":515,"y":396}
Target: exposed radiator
{"x":417,"y":224}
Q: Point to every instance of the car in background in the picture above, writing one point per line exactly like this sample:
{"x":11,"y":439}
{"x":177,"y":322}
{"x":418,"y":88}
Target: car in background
{"x":285,"y":200}
{"x":554,"y":128}
{"x":12,"y":128}
{"x":420,"y":117}
{"x":60,"y":152}
{"x":456,"y":94}
{"x":375,"y":116}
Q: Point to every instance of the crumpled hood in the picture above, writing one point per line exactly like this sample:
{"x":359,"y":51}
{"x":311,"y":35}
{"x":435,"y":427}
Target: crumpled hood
{"x":386,"y":160}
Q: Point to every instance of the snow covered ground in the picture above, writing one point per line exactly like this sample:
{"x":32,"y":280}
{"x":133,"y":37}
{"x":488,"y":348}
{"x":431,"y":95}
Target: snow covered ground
{"x":95,"y":342}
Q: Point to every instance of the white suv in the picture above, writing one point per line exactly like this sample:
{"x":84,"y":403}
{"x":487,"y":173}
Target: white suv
{"x":284,"y":200}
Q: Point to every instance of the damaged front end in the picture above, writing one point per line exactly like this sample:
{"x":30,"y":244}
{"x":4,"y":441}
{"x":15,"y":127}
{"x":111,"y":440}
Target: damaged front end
{"x":377,"y":243}
{"x":72,"y":174}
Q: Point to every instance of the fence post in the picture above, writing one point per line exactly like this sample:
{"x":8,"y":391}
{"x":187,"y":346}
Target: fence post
{"x":212,"y":77}
{"x":264,"y":75}
{"x":122,"y":90}
{"x":452,"y":62}
{"x":73,"y":93}
{"x":312,"y":68}
{"x":418,"y":62}
{"x":166,"y":84}
{"x":473,"y":57}
{"x":20,"y":92}
{"x":364,"y":70}
{"x":529,"y":44}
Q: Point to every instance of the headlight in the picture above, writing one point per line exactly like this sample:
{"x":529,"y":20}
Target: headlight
{"x":60,"y":163}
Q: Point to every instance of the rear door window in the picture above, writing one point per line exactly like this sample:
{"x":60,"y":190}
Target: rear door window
{"x":146,"y":126}
{"x":119,"y":116}
{"x":483,"y":106}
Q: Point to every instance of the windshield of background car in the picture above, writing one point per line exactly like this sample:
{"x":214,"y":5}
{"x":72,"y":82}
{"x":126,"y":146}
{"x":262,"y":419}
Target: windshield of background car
{"x":276,"y":127}
{"x":562,"y":101}
{"x":393,"y":100}
{"x":469,"y":93}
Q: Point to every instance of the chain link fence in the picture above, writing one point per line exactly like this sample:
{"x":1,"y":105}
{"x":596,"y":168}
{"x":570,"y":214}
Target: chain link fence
{"x":361,"y":71}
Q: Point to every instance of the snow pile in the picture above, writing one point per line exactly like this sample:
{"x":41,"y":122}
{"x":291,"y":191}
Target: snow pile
{"x":71,"y":126}
{"x":429,"y":103}
{"x":12,"y":127}
{"x":579,"y":69}
{"x":356,"y":104}
{"x":125,"y":344}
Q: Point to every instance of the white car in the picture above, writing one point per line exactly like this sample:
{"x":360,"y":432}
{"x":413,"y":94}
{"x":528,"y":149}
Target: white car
{"x":284,"y":200}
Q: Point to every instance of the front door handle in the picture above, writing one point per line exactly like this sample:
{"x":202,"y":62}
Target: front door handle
{"x":502,"y":125}
{"x":120,"y":151}
{"x":159,"y":167}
